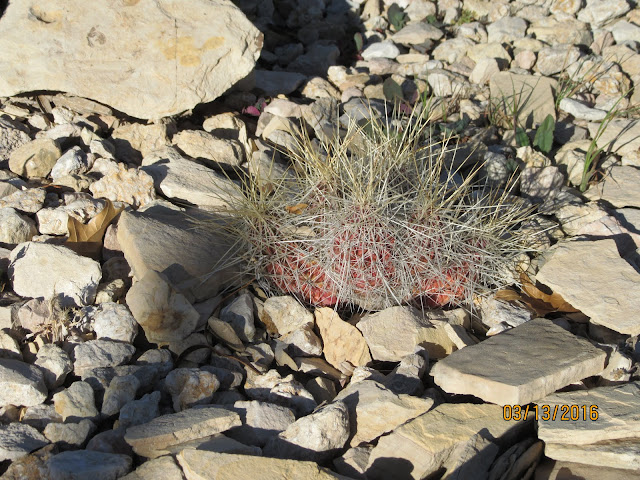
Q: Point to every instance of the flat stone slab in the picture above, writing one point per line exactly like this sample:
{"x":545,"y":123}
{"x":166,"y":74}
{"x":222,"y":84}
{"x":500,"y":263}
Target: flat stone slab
{"x":184,"y":246}
{"x":18,"y":440}
{"x":621,"y":187}
{"x":446,"y":437}
{"x":593,"y":278}
{"x":163,"y":432}
{"x":618,"y":415}
{"x":622,"y":136}
{"x":533,"y":95}
{"x":521,"y":365}
{"x":177,"y":58}
{"x":608,"y":453}
{"x":227,"y":466}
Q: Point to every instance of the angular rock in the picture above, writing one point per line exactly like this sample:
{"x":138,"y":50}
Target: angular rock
{"x":284,"y":314}
{"x":27,"y":201}
{"x":461,"y":438}
{"x":177,"y":58}
{"x":579,"y":270}
{"x":188,"y":181}
{"x":502,"y":369}
{"x":18,"y":440}
{"x":303,"y":342}
{"x":261,"y":421}
{"x":354,"y":462}
{"x":556,"y":470}
{"x":190,"y":386}
{"x":43,"y":270}
{"x":168,"y":430}
{"x":165,"y":468}
{"x":598,"y":13}
{"x":619,"y":187}
{"x":69,"y":434}
{"x":169,"y":242}
{"x":121,"y":390}
{"x":138,"y":412}
{"x":88,"y":464}
{"x":199,"y":144}
{"x":101,"y":353}
{"x":272,"y":83}
{"x":540,"y":184}
{"x":366,"y":399}
{"x":507,"y":29}
{"x":73,"y":161}
{"x":386,"y":49}
{"x":581,"y":111}
{"x":9,"y":347}
{"x":227,"y":466}
{"x":12,"y":135}
{"x":534,"y":96}
{"x":128,"y":185}
{"x":613,"y":454}
{"x":342,"y":341}
{"x":417,"y":33}
{"x":21,"y":383}
{"x":316,"y":437}
{"x":239,"y":314}
{"x":15,"y":228}
{"x":76,"y":402}
{"x":55,"y":364}
{"x":113,"y":321}
{"x":36,"y":158}
{"x":164,"y":314}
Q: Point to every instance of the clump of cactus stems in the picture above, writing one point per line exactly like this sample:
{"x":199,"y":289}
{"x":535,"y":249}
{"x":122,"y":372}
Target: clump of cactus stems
{"x":373,"y":217}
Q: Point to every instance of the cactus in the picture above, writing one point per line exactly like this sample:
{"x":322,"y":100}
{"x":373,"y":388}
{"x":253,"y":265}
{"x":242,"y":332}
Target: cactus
{"x":374,"y":218}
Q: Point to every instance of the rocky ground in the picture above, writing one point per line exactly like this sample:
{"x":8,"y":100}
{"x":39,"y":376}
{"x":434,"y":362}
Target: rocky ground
{"x":123,"y":356}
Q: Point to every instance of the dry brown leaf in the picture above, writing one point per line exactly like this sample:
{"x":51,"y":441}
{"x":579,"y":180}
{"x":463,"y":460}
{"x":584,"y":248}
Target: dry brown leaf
{"x":541,"y":301}
{"x":297,"y":209}
{"x":87,"y":239}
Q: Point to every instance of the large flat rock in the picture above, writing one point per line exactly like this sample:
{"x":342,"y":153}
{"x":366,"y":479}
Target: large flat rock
{"x":461,"y":438}
{"x":620,"y":188}
{"x":521,"y":365}
{"x":165,"y":57}
{"x":593,"y":278}
{"x":186,"y":247}
{"x":533,"y":97}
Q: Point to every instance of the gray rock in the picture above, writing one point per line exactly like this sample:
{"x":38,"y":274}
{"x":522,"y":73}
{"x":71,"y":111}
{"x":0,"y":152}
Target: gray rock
{"x":36,"y":158}
{"x":540,"y":184}
{"x":88,"y":464}
{"x":15,"y":228}
{"x":12,"y":135}
{"x":317,"y":59}
{"x":494,"y":370}
{"x":498,"y":315}
{"x":417,"y":33}
{"x":354,"y":462}
{"x":76,"y":402}
{"x":624,"y":31}
{"x":578,"y":270}
{"x":18,"y":440}
{"x":190,"y":386}
{"x":239,"y":314}
{"x":261,"y":421}
{"x":110,"y":441}
{"x":202,"y":65}
{"x":317,"y":437}
{"x":55,"y":364}
{"x":386,"y":49}
{"x":27,"y":201}
{"x":506,"y":30}
{"x":303,"y":342}
{"x":164,"y":314}
{"x":39,"y":416}
{"x":619,"y":187}
{"x":43,"y":270}
{"x":273,"y":83}
{"x":73,"y":161}
{"x":581,"y":111}
{"x":101,"y":353}
{"x":552,"y":60}
{"x":138,"y":412}
{"x":598,"y":13}
{"x":113,"y":321}
{"x":121,"y":390}
{"x":182,"y":179}
{"x":21,"y":384}
{"x":217,"y":443}
{"x":406,"y":378}
{"x":69,"y":434}
{"x":161,"y":433}
{"x":285,"y":314}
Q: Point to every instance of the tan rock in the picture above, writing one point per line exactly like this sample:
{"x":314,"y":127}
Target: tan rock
{"x":199,"y":144}
{"x":199,"y":465}
{"x":35,"y":159}
{"x":342,"y":341}
{"x":168,"y":430}
{"x":129,"y":185}
{"x":165,"y":468}
{"x":500,"y":369}
{"x":557,"y":470}
{"x":285,"y":314}
{"x":177,"y":58}
{"x":624,"y":454}
{"x":134,"y":141}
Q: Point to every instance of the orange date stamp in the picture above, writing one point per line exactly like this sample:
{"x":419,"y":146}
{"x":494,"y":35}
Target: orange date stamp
{"x":563,"y":413}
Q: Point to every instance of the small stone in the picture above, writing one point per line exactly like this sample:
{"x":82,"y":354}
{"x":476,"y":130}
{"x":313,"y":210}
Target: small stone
{"x":261,"y":421}
{"x":190,"y":386}
{"x":484,"y":70}
{"x":273,"y":83}
{"x":138,"y":412}
{"x":452,"y":50}
{"x":578,"y":270}
{"x":73,"y":161}
{"x":121,"y":390}
{"x":303,"y":342}
{"x":9,"y":347}
{"x":88,"y":464}
{"x":282,"y":315}
{"x":239,"y":314}
{"x":21,"y":384}
{"x":76,"y":402}
{"x":406,"y":378}
{"x":163,"y":432}
{"x":132,"y":186}
{"x":540,"y":184}
{"x":506,"y":30}
{"x":353,"y":463}
{"x":598,"y":12}
{"x":101,"y":353}
{"x":43,"y":270}
{"x":316,"y":437}
{"x":113,"y":321}
{"x":12,"y":135}
{"x":416,"y":34}
{"x":580,"y":111}
{"x":199,"y":144}
{"x":618,"y":188}
{"x":39,"y":416}
{"x":35,"y":159}
{"x":53,"y":221}
{"x":552,"y":60}
{"x":322,"y":389}
{"x":164,"y":314}
{"x":55,"y":364}
{"x":488,"y":371}
{"x":386,"y":49}
{"x":15,"y":228}
{"x":69,"y":434}
{"x":342,"y":341}
{"x":18,"y":440}
{"x":165,"y":468}
{"x":27,"y":201}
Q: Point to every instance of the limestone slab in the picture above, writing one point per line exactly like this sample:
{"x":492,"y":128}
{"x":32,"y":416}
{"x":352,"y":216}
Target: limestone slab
{"x":619,"y":187}
{"x":168,"y":430}
{"x":533,"y":96}
{"x":593,"y":278}
{"x":622,"y":136}
{"x":521,"y":365}
{"x":608,"y":453}
{"x":342,"y":341}
{"x":174,"y":59}
{"x":162,"y":467}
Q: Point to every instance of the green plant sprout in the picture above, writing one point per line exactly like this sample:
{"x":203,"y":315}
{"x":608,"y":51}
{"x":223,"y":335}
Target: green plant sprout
{"x":397,"y":17}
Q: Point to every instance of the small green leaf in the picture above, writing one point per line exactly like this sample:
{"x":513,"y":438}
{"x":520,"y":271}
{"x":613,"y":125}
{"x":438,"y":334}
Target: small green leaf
{"x":521,"y":137}
{"x":359,"y":41}
{"x":392,"y":91}
{"x":397,"y":17}
{"x":431,"y":19}
{"x":544,"y":135}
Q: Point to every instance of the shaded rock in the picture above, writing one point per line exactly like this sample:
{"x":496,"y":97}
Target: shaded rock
{"x":239,"y":314}
{"x":272,"y":83}
{"x":88,"y":464}
{"x":15,"y":228}
{"x":9,"y":347}
{"x":12,"y":135}
{"x":113,"y":321}
{"x":43,"y":270}
{"x":557,"y":470}
{"x":73,"y":161}
{"x":540,"y":184}
{"x":217,"y":443}
{"x":184,"y":67}
{"x":55,"y":365}
{"x":21,"y":383}
{"x":31,"y":467}
{"x":354,"y":462}
{"x":76,"y":402}
{"x":168,"y":241}
{"x":534,"y":96}
{"x":121,"y":390}
{"x":199,"y":144}
{"x":366,"y":399}
{"x":18,"y":440}
{"x":261,"y":421}
{"x":303,"y":342}
{"x":576,"y":270}
{"x":190,"y":386}
{"x":165,"y":468}
{"x":36,"y":158}
{"x":407,"y":376}
{"x":69,"y":434}
{"x":619,"y":187}
{"x":128,"y":185}
{"x":101,"y":353}
{"x":227,"y":466}
{"x":461,"y":438}
{"x":284,"y":314}
{"x":163,"y":432}
{"x":138,"y":412}
{"x":500,"y":369}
